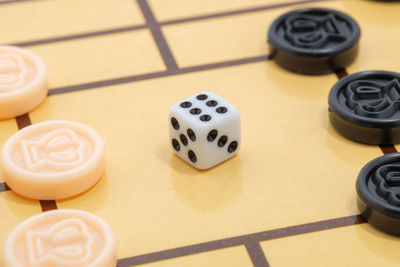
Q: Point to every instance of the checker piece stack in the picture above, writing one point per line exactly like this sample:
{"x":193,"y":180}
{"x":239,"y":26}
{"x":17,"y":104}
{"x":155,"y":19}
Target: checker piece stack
{"x":47,"y":161}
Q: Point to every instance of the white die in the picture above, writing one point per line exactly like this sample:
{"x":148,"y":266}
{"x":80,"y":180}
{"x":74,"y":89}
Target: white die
{"x":204,"y":130}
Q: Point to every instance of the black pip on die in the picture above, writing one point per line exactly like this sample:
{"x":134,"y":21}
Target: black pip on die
{"x":204,"y":130}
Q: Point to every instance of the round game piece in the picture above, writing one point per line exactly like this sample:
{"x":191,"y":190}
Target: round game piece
{"x":53,"y":160}
{"x":63,"y":238}
{"x":314,"y":40}
{"x":23,"y":81}
{"x":364,"y":107}
{"x":378,"y":189}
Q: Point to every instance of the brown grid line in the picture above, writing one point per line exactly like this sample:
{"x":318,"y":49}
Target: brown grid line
{"x":80,"y":36}
{"x":387,"y":149}
{"x":340,"y":73}
{"x":22,"y":122}
{"x":47,"y":205}
{"x":148,"y":76}
{"x":236,"y":12}
{"x":172,"y":70}
{"x":242,"y":240}
{"x":158,"y":36}
{"x":256,"y":254}
{"x":4,"y":187}
{"x":162,"y":23}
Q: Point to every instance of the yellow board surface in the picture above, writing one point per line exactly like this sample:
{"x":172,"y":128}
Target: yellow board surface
{"x":288,"y":198}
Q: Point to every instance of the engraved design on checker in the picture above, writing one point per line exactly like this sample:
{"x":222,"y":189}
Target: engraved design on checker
{"x":23,"y":81}
{"x":59,"y":150}
{"x":372,"y":98}
{"x":61,"y":238}
{"x":310,"y":31}
{"x":53,"y":159}
{"x":13,"y":72}
{"x":387,"y":181}
{"x":67,"y":243}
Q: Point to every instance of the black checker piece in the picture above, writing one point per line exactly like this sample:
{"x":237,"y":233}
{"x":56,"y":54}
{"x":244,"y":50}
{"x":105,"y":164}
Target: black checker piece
{"x":378,"y":189}
{"x":314,"y":40}
{"x":365,"y":107}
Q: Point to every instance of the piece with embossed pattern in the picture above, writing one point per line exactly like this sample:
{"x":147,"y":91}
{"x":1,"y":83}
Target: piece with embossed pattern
{"x":364,"y":107}
{"x":63,"y":238}
{"x":53,"y":160}
{"x":314,"y":40}
{"x":23,"y":81}
{"x":378,"y":188}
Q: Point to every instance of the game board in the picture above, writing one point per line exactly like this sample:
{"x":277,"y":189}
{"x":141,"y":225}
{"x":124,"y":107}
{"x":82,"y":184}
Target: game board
{"x":287,"y":199}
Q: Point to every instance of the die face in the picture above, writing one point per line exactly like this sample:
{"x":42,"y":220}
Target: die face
{"x":204,"y":143}
{"x":205,"y":147}
{"x":204,"y":109}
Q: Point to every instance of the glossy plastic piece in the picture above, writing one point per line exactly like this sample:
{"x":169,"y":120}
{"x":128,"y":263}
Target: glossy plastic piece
{"x":378,"y":189}
{"x":364,"y":107}
{"x":23,"y":81}
{"x":314,"y":40}
{"x":53,"y":160}
{"x":62,"y":238}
